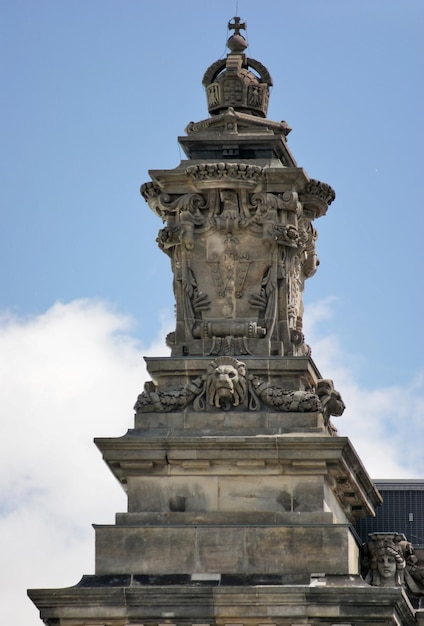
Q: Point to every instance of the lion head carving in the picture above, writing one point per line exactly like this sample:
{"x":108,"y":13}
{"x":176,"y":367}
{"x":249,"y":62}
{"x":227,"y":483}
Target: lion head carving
{"x":331,"y":400}
{"x":226,"y":384}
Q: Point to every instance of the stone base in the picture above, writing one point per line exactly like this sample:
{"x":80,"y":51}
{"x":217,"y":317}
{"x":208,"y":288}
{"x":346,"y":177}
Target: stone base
{"x":124,"y":600}
{"x":294,"y":552}
{"x":229,"y":422}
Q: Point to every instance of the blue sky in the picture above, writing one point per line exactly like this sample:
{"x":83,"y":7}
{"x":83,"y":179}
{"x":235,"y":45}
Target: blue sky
{"x":94,"y":95}
{"x":97,"y":94}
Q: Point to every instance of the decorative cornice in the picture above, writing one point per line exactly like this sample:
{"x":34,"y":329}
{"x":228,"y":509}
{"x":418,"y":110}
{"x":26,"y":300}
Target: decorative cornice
{"x":233,"y":171}
{"x":230,"y":114}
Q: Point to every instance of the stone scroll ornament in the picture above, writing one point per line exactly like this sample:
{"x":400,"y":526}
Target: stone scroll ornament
{"x":389,"y":560}
{"x":226,"y":385}
{"x":240,"y":259}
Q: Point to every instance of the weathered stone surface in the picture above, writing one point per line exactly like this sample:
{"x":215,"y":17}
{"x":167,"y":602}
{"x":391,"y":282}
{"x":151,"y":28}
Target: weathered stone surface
{"x":176,"y":493}
{"x":336,"y":601}
{"x":224,"y":493}
{"x":225,"y":518}
{"x":284,"y":550}
{"x":230,"y":422}
{"x":318,"y":472}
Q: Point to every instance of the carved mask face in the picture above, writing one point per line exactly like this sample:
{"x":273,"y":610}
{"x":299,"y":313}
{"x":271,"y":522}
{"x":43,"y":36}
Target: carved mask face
{"x":227,"y":385}
{"x":226,"y":377}
{"x":386,"y":566}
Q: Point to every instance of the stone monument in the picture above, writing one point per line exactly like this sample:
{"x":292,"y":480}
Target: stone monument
{"x":241,"y":494}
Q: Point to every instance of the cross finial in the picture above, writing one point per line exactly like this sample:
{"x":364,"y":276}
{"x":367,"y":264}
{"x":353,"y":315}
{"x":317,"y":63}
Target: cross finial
{"x":237,"y":26}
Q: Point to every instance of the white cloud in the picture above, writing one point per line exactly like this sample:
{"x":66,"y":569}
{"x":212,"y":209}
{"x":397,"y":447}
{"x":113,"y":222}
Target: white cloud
{"x":73,"y":373}
{"x":384,"y":424}
{"x":68,"y":375}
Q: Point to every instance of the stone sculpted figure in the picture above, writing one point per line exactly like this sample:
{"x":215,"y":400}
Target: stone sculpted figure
{"x":226,"y":384}
{"x":331,"y":400}
{"x":390,"y":562}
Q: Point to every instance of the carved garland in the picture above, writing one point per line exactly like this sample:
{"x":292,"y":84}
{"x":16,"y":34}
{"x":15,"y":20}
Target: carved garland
{"x":226,"y":385}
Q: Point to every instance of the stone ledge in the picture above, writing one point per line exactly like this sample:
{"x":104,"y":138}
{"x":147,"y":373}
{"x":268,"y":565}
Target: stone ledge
{"x":302,"y":456}
{"x":289,"y":372}
{"x":219,"y":423}
{"x":257,"y":518}
{"x":350,"y":601}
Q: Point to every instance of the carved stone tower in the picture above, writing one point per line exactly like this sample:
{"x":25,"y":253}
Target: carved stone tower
{"x":241,"y":494}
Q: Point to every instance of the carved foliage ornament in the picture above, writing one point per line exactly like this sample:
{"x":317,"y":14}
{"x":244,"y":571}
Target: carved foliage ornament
{"x":166,"y":206}
{"x":222,"y":171}
{"x":323,"y":191}
{"x":259,"y":212}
